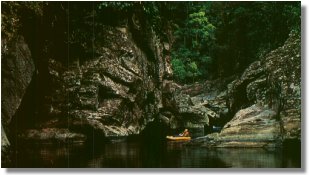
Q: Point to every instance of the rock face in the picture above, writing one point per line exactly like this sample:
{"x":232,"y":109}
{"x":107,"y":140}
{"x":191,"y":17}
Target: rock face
{"x":254,"y":126}
{"x":255,"y":123}
{"x":110,"y":85}
{"x":4,"y":140}
{"x":117,"y":91}
{"x":197,"y":107}
{"x":271,"y":88}
{"x":275,"y":82}
{"x":118,"y":81}
{"x":17,"y":72}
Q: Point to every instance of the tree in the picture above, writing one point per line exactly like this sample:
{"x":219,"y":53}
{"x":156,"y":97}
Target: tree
{"x":248,"y":30}
{"x":192,"y":41}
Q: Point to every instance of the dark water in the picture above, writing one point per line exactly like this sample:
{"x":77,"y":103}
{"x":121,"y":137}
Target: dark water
{"x":131,"y":154}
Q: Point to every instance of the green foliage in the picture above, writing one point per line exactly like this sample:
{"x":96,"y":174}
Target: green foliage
{"x":193,"y":70}
{"x":199,"y":26}
{"x":244,"y":32}
{"x":293,"y":15}
{"x":247,"y":31}
{"x":179,"y":69}
{"x":193,"y":38}
{"x":116,"y":5}
{"x":209,"y":39}
{"x":196,"y":30}
{"x":150,"y":10}
{"x":184,"y":67}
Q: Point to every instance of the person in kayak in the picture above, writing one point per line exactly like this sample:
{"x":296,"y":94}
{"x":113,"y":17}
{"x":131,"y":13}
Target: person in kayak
{"x":185,"y":133}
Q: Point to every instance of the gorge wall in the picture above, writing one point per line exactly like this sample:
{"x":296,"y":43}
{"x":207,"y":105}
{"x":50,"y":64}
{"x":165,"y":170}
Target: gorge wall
{"x":17,"y":71}
{"x":110,"y":85}
{"x":118,"y":91}
{"x":58,"y":84}
{"x":266,"y":101}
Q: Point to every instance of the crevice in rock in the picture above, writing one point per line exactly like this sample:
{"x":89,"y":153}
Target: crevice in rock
{"x":240,"y":99}
{"x":143,"y":38}
{"x":105,"y":93}
{"x":117,"y":79}
{"x":128,"y":68}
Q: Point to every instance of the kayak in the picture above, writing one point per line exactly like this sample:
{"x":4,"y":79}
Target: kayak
{"x":178,"y":138}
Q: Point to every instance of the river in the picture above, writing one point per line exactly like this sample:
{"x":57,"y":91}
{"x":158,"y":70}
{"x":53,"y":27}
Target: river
{"x":133,"y":154}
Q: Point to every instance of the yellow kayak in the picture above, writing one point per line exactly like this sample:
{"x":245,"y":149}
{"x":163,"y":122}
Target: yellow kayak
{"x":178,"y":138}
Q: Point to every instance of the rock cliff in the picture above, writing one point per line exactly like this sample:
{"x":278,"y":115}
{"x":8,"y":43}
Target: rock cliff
{"x":107,"y":85}
{"x":62,"y":84}
{"x":198,"y":107}
{"x":17,"y":70}
{"x":117,"y":91}
{"x":266,"y":100}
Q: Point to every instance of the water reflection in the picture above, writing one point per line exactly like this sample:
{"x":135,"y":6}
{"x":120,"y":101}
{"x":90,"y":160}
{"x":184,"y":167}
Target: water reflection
{"x":135,"y":154}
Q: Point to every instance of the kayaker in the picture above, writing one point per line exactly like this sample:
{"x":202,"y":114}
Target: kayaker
{"x":185,"y":133}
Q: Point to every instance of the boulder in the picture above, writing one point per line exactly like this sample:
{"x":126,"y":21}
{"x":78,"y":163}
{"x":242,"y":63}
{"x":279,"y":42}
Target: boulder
{"x":254,"y":126}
